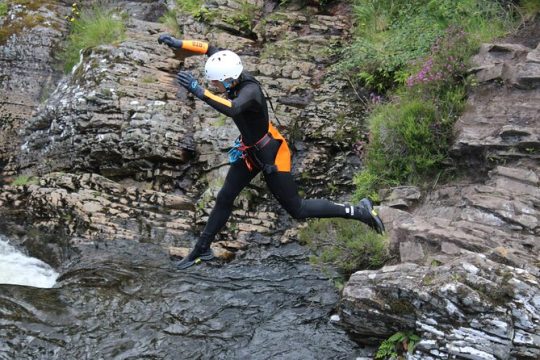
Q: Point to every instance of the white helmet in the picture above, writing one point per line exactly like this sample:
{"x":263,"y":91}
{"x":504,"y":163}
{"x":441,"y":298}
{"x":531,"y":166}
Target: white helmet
{"x":223,"y":65}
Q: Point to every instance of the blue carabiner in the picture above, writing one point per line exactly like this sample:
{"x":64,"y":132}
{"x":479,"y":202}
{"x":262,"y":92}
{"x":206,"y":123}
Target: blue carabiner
{"x":235,"y":153}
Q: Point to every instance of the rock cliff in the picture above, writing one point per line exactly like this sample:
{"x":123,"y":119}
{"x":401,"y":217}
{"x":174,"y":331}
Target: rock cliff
{"x":115,"y":151}
{"x":117,"y":127}
{"x":468,"y":278}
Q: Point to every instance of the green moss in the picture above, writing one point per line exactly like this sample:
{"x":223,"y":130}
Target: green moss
{"x":189,"y":7}
{"x":149,"y":79}
{"x":401,"y":307}
{"x":221,"y":121}
{"x":25,"y":20}
{"x":31,"y":4}
{"x":497,"y":295}
{"x":283,"y":49}
{"x":427,"y":280}
{"x":208,"y":195}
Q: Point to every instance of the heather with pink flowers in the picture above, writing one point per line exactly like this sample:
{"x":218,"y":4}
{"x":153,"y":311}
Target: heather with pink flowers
{"x":446,"y":63}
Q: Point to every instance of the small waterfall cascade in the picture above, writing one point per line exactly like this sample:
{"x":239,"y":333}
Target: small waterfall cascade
{"x":17,"y":268}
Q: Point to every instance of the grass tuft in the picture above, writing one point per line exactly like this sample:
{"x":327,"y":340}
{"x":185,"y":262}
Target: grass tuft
{"x":95,"y":26}
{"x":344,"y":244}
{"x":169,"y":20}
{"x":24,"y":180}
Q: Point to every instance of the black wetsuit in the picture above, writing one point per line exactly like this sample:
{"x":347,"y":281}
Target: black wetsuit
{"x":249,"y":112}
{"x":246,"y":105}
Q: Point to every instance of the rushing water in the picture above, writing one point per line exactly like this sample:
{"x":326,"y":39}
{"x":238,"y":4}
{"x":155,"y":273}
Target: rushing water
{"x":126,"y":301}
{"x":19,"y":269}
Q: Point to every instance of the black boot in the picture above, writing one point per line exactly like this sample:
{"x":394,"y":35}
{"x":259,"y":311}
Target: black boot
{"x":201,"y":251}
{"x":366,"y":214}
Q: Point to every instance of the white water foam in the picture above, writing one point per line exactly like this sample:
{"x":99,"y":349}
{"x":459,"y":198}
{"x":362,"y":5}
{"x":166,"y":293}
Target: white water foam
{"x":19,"y":269}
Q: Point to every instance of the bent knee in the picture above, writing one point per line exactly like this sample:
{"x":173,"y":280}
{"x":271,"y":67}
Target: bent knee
{"x":297,"y":212}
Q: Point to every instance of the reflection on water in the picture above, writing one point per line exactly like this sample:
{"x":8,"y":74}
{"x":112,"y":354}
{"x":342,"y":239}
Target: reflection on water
{"x":126,"y":301}
{"x":19,"y":269}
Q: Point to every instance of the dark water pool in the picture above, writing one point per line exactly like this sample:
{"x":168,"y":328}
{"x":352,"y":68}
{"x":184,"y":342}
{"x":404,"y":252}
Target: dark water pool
{"x":126,"y":301}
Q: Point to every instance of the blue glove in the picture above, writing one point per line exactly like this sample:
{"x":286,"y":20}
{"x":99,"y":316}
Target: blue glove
{"x":170,"y":41}
{"x":186,"y":80}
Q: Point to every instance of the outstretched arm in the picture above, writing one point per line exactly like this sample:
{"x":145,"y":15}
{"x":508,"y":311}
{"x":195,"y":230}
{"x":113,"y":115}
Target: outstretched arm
{"x":195,"y":47}
{"x":227,"y":107}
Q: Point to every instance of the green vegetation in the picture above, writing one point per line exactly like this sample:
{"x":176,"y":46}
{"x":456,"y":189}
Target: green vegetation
{"x":396,"y":345}
{"x":25,"y":180}
{"x":190,"y":7}
{"x":149,"y":79}
{"x":391,"y":33}
{"x":415,"y":54}
{"x":413,"y":57}
{"x":243,"y":18}
{"x":30,"y":4}
{"x":530,"y":8}
{"x":344,"y":244}
{"x":3,"y":8}
{"x":93,"y":27}
{"x":281,"y":49}
{"x":169,"y":20}
{"x":196,"y":9}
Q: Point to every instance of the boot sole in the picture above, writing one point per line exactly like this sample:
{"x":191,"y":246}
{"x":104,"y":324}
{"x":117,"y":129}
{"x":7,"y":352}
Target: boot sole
{"x":379,"y":225}
{"x":186,"y":264}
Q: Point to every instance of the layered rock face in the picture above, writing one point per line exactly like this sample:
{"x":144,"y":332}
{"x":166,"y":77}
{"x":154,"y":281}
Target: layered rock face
{"x":118,"y":152}
{"x":468,"y":281}
{"x":28,"y":70}
{"x":120,"y":115}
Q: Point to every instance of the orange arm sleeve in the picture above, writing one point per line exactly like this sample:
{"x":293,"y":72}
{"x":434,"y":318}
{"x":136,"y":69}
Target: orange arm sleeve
{"x":195,"y":46}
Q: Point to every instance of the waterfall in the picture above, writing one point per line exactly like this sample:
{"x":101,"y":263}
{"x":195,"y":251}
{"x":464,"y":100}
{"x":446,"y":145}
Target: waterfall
{"x":19,"y":269}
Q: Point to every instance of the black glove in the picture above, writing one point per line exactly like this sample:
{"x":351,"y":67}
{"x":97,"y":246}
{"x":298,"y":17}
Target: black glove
{"x":170,"y":41}
{"x":186,"y":80}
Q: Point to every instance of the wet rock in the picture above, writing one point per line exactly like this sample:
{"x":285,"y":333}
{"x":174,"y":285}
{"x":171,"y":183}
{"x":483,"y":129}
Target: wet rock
{"x":492,"y":306}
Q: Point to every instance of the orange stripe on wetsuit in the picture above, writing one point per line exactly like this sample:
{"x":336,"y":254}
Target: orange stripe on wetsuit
{"x":283,"y":157}
{"x":217,"y":98}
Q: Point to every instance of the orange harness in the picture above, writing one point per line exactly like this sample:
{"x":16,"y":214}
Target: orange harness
{"x":283,"y":156}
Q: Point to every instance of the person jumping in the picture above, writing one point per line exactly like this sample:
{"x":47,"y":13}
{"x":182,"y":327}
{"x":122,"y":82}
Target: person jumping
{"x":259,"y":148}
